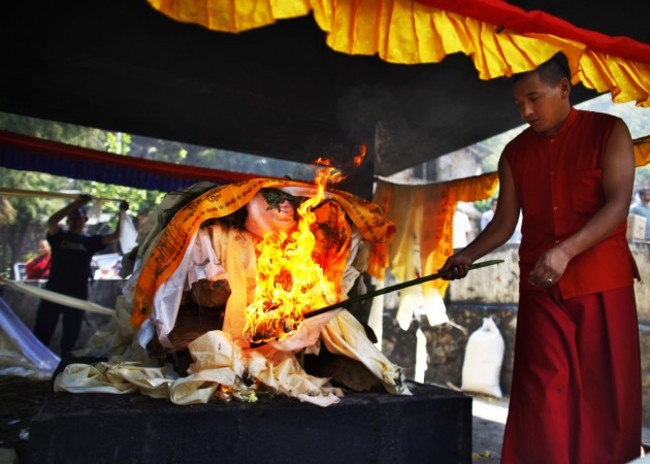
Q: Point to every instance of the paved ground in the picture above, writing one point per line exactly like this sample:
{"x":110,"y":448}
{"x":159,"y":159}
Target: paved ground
{"x":489,"y":423}
{"x":487,"y":427}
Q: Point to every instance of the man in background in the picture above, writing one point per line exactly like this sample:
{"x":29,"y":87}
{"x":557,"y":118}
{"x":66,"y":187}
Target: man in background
{"x":70,"y":271}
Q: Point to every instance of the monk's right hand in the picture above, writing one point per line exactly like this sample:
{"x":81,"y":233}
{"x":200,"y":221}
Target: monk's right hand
{"x":456,"y":267}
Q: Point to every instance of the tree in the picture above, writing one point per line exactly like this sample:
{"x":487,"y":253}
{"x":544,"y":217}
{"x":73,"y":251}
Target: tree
{"x":24,"y":218}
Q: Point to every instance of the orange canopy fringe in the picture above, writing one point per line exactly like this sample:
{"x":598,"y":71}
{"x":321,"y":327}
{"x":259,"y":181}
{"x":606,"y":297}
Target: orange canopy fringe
{"x":414,"y":32}
{"x":642,"y":151}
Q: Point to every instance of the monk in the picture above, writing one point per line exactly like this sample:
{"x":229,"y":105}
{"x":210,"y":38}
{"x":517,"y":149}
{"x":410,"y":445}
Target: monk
{"x":39,"y":267}
{"x":576,"y":389}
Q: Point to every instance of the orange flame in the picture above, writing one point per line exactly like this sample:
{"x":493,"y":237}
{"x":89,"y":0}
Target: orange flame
{"x":337,"y":175}
{"x":323,"y":161}
{"x":357,"y":160}
{"x":289,"y":282}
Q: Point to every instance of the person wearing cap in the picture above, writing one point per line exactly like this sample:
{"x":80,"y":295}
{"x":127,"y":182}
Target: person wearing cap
{"x":576,"y":387}
{"x":70,"y":271}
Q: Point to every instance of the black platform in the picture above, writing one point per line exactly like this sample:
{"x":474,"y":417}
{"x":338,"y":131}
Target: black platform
{"x":432,"y":426}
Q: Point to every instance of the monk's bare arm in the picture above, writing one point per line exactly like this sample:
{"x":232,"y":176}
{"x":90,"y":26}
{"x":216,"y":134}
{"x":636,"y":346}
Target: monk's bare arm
{"x":53,"y":221}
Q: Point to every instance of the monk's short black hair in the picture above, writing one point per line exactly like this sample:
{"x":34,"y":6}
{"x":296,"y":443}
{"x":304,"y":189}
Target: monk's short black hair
{"x":560,"y":59}
{"x":551,"y":71}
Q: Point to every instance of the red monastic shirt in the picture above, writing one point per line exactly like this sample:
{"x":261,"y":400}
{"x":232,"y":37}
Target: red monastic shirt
{"x":558,"y":181}
{"x":38,"y":268}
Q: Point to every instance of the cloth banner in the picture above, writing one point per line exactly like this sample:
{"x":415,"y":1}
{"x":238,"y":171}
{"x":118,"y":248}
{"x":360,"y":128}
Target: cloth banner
{"x":423,"y":241}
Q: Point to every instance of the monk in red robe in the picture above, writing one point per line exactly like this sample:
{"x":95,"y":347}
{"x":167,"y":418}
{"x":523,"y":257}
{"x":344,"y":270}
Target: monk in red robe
{"x":576,"y":389}
{"x":39,"y":267}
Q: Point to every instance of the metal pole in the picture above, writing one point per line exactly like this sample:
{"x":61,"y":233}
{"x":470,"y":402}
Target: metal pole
{"x":394,"y":288}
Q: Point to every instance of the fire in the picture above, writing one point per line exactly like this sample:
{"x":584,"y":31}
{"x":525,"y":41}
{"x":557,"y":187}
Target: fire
{"x":337,"y":175}
{"x":289,"y":282}
{"x":357,"y":160}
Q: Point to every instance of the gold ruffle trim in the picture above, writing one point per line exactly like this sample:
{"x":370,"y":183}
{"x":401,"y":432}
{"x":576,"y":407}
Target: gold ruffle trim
{"x":407,"y":32}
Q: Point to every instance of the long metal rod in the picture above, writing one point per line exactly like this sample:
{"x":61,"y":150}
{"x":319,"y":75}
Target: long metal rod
{"x":393,"y":288}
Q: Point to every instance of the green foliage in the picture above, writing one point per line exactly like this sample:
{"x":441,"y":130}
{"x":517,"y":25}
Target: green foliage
{"x":22,"y":229}
{"x":68,"y":133}
{"x":137,"y":198}
{"x":237,"y":162}
{"x":118,"y":142}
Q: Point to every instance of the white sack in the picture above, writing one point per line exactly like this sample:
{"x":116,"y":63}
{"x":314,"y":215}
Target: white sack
{"x":483,"y":360}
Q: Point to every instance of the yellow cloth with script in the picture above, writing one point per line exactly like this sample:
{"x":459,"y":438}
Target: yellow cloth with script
{"x":425,"y":217}
{"x":224,"y":200}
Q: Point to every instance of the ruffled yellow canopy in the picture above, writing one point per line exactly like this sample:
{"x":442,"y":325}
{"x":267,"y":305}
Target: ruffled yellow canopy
{"x":425,"y":31}
{"x":642,"y":151}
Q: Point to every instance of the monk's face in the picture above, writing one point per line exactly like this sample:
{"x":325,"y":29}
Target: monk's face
{"x":282,"y":213}
{"x":268,"y":213}
{"x":44,"y":248}
{"x":542,"y":105}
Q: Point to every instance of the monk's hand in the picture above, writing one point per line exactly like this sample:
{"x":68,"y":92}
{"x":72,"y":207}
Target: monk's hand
{"x":549,"y":268}
{"x":456,"y":267}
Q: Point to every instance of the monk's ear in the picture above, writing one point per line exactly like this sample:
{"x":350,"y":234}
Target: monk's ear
{"x":565,"y":87}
